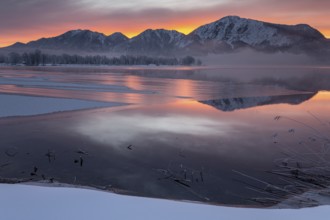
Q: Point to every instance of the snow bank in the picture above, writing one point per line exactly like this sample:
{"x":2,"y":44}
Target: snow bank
{"x":34,"y":202}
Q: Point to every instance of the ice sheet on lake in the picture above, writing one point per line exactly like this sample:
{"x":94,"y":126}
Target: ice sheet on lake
{"x":17,"y":105}
{"x":37,"y":82}
{"x":34,"y":202}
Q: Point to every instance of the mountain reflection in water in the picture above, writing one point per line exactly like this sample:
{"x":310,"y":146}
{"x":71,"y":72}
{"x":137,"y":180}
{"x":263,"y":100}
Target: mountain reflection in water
{"x":183,"y":150}
{"x":231,"y":104}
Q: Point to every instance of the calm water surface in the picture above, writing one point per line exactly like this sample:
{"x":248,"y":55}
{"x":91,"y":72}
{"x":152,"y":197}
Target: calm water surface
{"x":215,"y":136}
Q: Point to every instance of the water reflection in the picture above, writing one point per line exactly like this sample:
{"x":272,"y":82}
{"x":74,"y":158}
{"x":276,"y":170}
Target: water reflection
{"x":137,"y":87}
{"x":169,"y":146}
{"x":182,"y":150}
{"x":124,"y":127}
{"x":231,"y":104}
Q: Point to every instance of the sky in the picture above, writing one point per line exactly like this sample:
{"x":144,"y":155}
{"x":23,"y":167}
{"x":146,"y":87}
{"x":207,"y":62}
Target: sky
{"x":26,"y":20}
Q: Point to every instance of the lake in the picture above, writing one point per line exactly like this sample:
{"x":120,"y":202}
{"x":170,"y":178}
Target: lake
{"x":237,"y":136}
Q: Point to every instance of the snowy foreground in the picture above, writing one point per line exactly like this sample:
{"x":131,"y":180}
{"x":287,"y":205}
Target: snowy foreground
{"x":34,"y":202}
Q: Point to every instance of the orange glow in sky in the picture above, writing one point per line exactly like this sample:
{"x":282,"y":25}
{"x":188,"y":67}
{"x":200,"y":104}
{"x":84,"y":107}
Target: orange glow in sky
{"x":24,"y":21}
{"x":130,"y":32}
{"x":183,"y":28}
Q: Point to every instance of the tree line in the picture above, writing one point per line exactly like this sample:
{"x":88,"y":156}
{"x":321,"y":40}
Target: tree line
{"x":38,"y":58}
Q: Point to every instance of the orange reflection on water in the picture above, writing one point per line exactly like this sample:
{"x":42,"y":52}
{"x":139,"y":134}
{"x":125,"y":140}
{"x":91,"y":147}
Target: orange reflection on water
{"x":323,"y":95}
{"x":84,"y":95}
{"x":133,"y":82}
{"x":184,"y":88}
{"x":261,"y":113}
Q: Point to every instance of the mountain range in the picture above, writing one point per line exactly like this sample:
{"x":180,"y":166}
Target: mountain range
{"x":228,"y":34}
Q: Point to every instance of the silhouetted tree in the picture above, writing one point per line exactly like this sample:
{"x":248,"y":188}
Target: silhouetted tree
{"x":3,"y":59}
{"x":15,"y":58}
{"x":37,"y":58}
{"x":188,"y":60}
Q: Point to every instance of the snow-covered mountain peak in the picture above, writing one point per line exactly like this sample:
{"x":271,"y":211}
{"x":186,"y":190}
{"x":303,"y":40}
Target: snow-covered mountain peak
{"x":226,"y":34}
{"x":155,"y":40}
{"x":74,"y":39}
{"x":116,"y":39}
{"x":161,"y":34}
{"x":82,"y":34}
{"x":230,"y":18}
{"x":234,"y":31}
{"x":80,"y":31}
{"x":118,"y":35}
{"x":73,"y":32}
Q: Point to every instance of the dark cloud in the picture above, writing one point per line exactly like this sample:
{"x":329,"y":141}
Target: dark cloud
{"x":32,"y":14}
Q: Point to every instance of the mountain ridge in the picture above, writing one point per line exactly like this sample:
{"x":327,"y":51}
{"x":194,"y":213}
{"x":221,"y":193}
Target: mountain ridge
{"x":227,"y":34}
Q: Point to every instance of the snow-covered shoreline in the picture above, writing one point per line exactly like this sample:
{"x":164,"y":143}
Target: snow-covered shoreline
{"x":34,"y":202}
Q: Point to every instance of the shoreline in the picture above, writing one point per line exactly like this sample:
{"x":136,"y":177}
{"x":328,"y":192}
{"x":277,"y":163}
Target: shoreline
{"x":75,"y":204}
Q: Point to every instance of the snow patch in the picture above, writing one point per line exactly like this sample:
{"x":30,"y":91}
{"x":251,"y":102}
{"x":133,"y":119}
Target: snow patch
{"x":33,"y":202}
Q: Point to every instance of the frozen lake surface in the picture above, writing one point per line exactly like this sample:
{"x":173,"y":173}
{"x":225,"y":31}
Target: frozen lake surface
{"x":18,"y":105}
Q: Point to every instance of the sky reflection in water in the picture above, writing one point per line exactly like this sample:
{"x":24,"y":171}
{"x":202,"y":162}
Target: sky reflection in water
{"x":166,"y":146}
{"x":190,"y":134}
